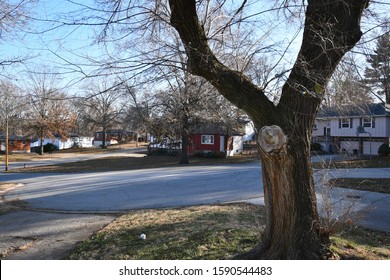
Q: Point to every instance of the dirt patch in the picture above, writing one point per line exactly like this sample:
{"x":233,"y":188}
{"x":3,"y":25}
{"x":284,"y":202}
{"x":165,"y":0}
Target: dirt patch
{"x":6,"y":207}
{"x":20,"y":243}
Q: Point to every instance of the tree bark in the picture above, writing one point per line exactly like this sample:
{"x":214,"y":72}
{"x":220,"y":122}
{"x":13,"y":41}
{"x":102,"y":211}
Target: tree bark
{"x":184,"y":150}
{"x":293,"y":229}
{"x":41,"y":149}
{"x":184,"y":141}
{"x":104,"y":140}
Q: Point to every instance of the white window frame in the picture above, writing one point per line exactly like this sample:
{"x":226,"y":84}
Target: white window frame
{"x":345,"y":123}
{"x":367,"y":122}
{"x":207,"y":139}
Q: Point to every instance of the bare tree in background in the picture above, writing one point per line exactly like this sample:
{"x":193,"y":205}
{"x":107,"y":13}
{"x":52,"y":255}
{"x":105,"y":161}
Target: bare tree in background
{"x":137,"y":114}
{"x":12,"y":107}
{"x":346,"y":87}
{"x":103,"y":105}
{"x":50,"y":111}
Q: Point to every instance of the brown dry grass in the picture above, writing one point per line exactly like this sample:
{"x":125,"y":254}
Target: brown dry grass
{"x":381,"y":185}
{"x":208,"y":232}
{"x":130,"y":163}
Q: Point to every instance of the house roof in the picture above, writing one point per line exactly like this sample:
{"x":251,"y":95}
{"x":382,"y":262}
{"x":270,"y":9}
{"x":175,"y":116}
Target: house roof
{"x":375,"y":109}
{"x":214,"y":128}
{"x":13,"y":137}
{"x":116,"y":131}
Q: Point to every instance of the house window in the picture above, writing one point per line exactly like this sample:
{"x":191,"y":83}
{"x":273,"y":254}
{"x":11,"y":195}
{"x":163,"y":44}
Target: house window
{"x":368,"y":122}
{"x":345,"y":123}
{"x":208,"y":139}
{"x":315,"y":126}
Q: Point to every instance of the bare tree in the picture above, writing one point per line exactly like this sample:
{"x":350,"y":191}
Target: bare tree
{"x":137,"y":115}
{"x":49,"y":110}
{"x":14,"y":15}
{"x":293,"y":229}
{"x":12,"y":106}
{"x":346,"y":87}
{"x":10,"y":109}
{"x":103,"y":105}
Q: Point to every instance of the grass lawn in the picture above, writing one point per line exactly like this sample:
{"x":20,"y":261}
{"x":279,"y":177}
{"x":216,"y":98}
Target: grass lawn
{"x":208,"y":233}
{"x":355,"y":162}
{"x":131,"y":163}
{"x":381,"y":185}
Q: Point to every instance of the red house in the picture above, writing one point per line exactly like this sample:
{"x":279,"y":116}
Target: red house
{"x":212,"y":138}
{"x":16,"y":144}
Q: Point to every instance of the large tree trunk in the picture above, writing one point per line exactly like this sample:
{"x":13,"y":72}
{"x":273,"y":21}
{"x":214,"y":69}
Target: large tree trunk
{"x":293,"y":229}
{"x":104,"y":140}
{"x":184,"y":142}
{"x":292,"y":224}
{"x":41,"y":147}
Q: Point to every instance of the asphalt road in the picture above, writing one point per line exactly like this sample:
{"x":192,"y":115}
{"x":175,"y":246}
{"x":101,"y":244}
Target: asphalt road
{"x":126,"y":190}
{"x":63,"y":209}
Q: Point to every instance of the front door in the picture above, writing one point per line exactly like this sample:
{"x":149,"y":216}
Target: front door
{"x":221,"y":143}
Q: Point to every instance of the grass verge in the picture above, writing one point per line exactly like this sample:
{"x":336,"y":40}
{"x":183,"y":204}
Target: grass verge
{"x":208,"y":233}
{"x":381,"y":185}
{"x":131,"y":163}
{"x":355,"y":162}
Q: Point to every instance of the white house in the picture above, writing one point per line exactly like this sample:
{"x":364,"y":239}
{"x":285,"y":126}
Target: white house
{"x":74,"y":140}
{"x":352,"y":129}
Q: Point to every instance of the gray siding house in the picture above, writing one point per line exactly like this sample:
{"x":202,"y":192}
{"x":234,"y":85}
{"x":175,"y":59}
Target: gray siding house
{"x":353,"y":129}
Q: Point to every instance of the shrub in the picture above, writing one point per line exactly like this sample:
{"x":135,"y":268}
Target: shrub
{"x":163,"y":152}
{"x":204,"y":154}
{"x":49,"y":148}
{"x":316,"y":147}
{"x":384,"y":150}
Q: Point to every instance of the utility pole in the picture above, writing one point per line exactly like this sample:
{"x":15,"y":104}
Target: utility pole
{"x":6,"y":142}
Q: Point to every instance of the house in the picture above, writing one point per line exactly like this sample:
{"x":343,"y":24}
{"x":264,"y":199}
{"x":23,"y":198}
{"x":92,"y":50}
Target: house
{"x":113,"y":136}
{"x":81,"y":141}
{"x":74,"y":140}
{"x":16,"y":144}
{"x":218,"y":138}
{"x":353,"y":129}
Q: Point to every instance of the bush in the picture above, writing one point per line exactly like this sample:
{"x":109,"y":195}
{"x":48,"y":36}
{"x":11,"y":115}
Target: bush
{"x":163,"y":152}
{"x":203,"y":154}
{"x":49,"y":148}
{"x":384,"y":150}
{"x":316,"y":147}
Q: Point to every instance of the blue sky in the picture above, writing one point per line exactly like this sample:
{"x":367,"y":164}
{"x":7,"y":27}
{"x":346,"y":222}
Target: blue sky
{"x":64,"y":49}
